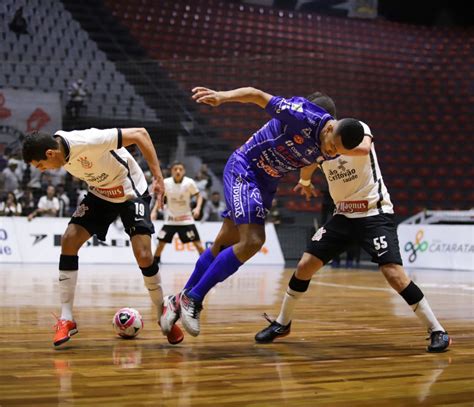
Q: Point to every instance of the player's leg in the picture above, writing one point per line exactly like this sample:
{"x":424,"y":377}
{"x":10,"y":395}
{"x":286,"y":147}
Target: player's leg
{"x":380,"y":240}
{"x":72,"y":240}
{"x":328,"y":242}
{"x":140,"y":232}
{"x":165,"y":235}
{"x":199,"y":247}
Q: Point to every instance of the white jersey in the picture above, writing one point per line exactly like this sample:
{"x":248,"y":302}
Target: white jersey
{"x":178,"y":201}
{"x":98,"y":158}
{"x":356,"y":185}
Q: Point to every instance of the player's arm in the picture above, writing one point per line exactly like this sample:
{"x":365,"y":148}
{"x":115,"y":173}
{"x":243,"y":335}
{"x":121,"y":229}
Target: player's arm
{"x":304,"y":186}
{"x":142,"y":139}
{"x":240,"y":95}
{"x":197,"y":209}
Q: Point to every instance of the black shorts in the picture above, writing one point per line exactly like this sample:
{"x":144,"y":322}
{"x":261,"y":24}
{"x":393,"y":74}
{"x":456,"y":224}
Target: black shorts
{"x":96,"y":215}
{"x":187,"y":233}
{"x":377,"y":235}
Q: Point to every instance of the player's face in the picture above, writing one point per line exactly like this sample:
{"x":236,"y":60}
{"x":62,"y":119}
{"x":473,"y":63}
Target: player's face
{"x":331,"y":143}
{"x":53,"y":161}
{"x":177,"y":172}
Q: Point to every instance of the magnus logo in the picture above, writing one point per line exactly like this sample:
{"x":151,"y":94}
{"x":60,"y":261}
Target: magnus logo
{"x":420,"y":245}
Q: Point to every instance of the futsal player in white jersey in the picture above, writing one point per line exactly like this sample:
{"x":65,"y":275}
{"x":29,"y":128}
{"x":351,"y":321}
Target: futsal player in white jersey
{"x":363,"y":215}
{"x":179,"y":218}
{"x":116,"y":187}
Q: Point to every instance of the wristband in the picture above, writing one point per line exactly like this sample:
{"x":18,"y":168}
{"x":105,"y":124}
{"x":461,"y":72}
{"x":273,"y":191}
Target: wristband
{"x":304,"y":182}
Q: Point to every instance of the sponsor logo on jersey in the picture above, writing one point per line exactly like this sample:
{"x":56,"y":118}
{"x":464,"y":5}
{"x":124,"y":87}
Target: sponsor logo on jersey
{"x":114,"y":192}
{"x":306,"y":132}
{"x":352,"y":206}
{"x":298,"y":139}
{"x":180,"y":218}
{"x":85,"y":163}
{"x":268,"y":169}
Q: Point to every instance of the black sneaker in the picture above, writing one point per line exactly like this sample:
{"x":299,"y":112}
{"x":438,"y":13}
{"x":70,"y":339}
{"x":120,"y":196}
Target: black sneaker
{"x":273,"y":331}
{"x":439,"y":341}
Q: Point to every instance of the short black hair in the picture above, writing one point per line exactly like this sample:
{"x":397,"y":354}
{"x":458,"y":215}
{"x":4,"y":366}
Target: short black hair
{"x":324,"y":101}
{"x":351,"y":132}
{"x":175,"y":163}
{"x":36,"y":144}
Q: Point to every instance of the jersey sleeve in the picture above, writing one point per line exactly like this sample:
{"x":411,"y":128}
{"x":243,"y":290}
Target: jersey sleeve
{"x":97,"y":139}
{"x":297,"y":111}
{"x":193,"y":189}
{"x":367,"y":130}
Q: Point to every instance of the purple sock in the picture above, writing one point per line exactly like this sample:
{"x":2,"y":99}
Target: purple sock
{"x":204,"y":261}
{"x":224,"y":265}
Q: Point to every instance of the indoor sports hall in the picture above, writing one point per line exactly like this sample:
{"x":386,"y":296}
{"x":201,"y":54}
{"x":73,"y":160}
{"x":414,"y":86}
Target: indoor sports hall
{"x":387,"y":320}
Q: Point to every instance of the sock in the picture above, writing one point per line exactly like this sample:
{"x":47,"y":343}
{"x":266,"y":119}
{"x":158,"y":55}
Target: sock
{"x":296,"y":289}
{"x":223,"y":266}
{"x":204,"y":261}
{"x":68,"y":266}
{"x":419,"y":304}
{"x":425,"y":314}
{"x":152,"y":280}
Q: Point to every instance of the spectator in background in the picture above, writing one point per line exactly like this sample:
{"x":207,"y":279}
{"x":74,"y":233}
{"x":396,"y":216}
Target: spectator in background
{"x":213,"y":208}
{"x":64,"y":201}
{"x":77,"y":95}
{"x":12,"y":175}
{"x":10,"y":206}
{"x":27,"y":202}
{"x":19,"y":25}
{"x":204,"y":183}
{"x":53,"y":177}
{"x":48,"y":204}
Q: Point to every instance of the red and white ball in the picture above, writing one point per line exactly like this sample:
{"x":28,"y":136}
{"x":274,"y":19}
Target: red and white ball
{"x":127,"y":322}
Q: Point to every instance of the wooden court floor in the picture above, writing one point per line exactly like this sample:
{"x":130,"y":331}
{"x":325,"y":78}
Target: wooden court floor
{"x":354,"y":343}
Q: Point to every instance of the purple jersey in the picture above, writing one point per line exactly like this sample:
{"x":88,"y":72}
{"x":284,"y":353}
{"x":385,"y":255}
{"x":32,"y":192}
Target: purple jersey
{"x":289,"y":141}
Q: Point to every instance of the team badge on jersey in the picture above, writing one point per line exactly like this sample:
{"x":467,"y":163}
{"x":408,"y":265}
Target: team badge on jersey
{"x":318,"y":235}
{"x":80,"y":211}
{"x":86,"y":164}
{"x":298,"y":139}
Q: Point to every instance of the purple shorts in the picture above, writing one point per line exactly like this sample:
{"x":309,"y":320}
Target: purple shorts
{"x":247,"y":197}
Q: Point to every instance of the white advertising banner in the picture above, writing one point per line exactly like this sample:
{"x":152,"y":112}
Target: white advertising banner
{"x":23,"y":111}
{"x":437,"y":246}
{"x":39,"y":241}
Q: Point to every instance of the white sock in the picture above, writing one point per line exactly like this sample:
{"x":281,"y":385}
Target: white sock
{"x":67,"y":288}
{"x":423,"y":311}
{"x":288,"y":305}
{"x":155,"y":290}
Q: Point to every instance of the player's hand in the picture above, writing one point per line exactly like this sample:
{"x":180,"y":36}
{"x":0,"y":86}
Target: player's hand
{"x":158,"y":187}
{"x":196,"y":213}
{"x":307,"y":191}
{"x":208,"y":96}
{"x":154,"y":215}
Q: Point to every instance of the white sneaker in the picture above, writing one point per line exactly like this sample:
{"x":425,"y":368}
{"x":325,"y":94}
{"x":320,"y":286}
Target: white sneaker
{"x":190,"y":310}
{"x":170,"y":314}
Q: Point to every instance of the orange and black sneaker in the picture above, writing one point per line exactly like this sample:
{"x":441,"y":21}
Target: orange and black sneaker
{"x":176,"y":335}
{"x":64,"y":330}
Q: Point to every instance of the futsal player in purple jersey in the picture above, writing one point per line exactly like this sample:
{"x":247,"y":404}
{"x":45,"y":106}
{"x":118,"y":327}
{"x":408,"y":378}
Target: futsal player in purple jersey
{"x":298,"y":133}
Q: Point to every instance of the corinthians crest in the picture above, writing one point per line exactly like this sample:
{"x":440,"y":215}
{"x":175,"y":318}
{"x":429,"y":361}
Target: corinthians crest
{"x":86,"y":164}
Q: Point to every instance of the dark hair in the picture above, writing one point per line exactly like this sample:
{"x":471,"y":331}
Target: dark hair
{"x":351,"y":132}
{"x":175,"y":163}
{"x":323,"y":101}
{"x":36,"y":144}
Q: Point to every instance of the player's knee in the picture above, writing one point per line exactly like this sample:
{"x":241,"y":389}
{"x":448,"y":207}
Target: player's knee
{"x":395,"y":276}
{"x":307,"y":267}
{"x":144,"y":257}
{"x":253,"y":244}
{"x":70,"y":243}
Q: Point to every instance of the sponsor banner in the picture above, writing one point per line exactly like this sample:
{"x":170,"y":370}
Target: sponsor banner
{"x":9,"y":250}
{"x":437,"y":246}
{"x":39,"y":241}
{"x":23,"y":111}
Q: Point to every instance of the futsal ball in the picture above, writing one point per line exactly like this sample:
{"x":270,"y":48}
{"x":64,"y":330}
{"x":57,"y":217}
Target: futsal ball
{"x":127,"y":322}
